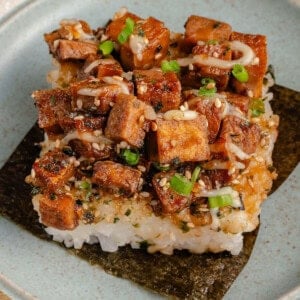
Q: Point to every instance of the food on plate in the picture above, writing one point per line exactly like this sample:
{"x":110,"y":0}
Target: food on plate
{"x":152,"y":137}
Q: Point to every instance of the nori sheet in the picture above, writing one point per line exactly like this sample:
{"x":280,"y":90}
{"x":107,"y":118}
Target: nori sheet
{"x":182,"y":275}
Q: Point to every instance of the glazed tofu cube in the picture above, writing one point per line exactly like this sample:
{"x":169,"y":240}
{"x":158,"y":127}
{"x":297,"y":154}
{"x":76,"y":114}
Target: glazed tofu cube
{"x":203,"y":29}
{"x":53,"y":170}
{"x":256,"y":72}
{"x":114,"y":28}
{"x":147,"y":46}
{"x":239,"y":132}
{"x":211,"y":112}
{"x":184,"y":140}
{"x":109,"y":67}
{"x":125,"y":121}
{"x":75,"y":49}
{"x":171,"y":201}
{"x":116,"y":177}
{"x":94,"y":96}
{"x":58,"y":211}
{"x":161,"y":90}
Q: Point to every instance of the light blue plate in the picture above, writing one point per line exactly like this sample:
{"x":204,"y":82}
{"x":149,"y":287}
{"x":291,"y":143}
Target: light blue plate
{"x":31,"y":267}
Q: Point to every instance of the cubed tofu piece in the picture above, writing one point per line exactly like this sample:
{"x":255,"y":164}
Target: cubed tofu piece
{"x":114,"y":28}
{"x":116,"y":177}
{"x":53,"y":170}
{"x":212,"y":113}
{"x":147,"y":46}
{"x":53,"y":105}
{"x":125,"y":121}
{"x":239,"y":101}
{"x":256,"y":72}
{"x":239,"y":132}
{"x":58,"y":211}
{"x":184,"y":140}
{"x":109,"y":67}
{"x":203,"y":29}
{"x":171,"y":201}
{"x":94,"y":96}
{"x":159,"y":89}
{"x":75,"y":49}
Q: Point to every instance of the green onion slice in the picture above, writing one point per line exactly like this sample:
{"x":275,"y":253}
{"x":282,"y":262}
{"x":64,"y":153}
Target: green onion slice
{"x":106,"y":47}
{"x":206,"y":90}
{"x":220,"y":201}
{"x":162,"y":167}
{"x":212,"y":42}
{"x":170,"y":66}
{"x":85,"y":185}
{"x":240,"y":73}
{"x":131,"y":157}
{"x":181,"y":185}
{"x":127,"y":31}
{"x":257,"y":107}
{"x":195,"y":174}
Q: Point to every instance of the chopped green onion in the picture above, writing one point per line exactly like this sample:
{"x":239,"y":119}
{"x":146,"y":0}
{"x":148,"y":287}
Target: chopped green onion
{"x":127,"y":31}
{"x":220,"y":201}
{"x":181,"y":185}
{"x":170,"y":66}
{"x":195,"y":174}
{"x":208,"y":88}
{"x":131,"y":158}
{"x":106,"y":47}
{"x":240,"y":73}
{"x":162,"y":167}
{"x":257,"y":107}
{"x":212,"y":42}
{"x":85,"y":185}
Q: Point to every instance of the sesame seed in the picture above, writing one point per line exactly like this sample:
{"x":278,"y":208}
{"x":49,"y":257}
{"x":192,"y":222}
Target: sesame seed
{"x":201,"y":183}
{"x":255,"y":61}
{"x":182,"y":108}
{"x":191,"y":225}
{"x":218,"y":103}
{"x":97,"y":102}
{"x":111,"y":104}
{"x":210,"y":85}
{"x":85,"y":206}
{"x":142,"y":119}
{"x":67,"y":188}
{"x":173,"y":143}
{"x":142,"y":89}
{"x":188,"y":174}
{"x":259,"y":159}
{"x":144,"y":194}
{"x":76,"y":163}
{"x":235,"y":181}
{"x":231,"y":171}
{"x":32,"y":173}
{"x":95,"y":146}
{"x":250,"y":93}
{"x":154,"y":126}
{"x":57,"y":143}
{"x":141,"y":181}
{"x":72,"y":178}
{"x":186,"y":105}
{"x":79,"y":103}
{"x":215,"y":54}
{"x":117,"y":78}
{"x":250,"y":182}
{"x":80,"y":117}
{"x":101,"y":146}
{"x":271,"y":123}
{"x":72,"y":160}
{"x":97,"y":132}
{"x":204,"y":209}
{"x":158,"y":55}
{"x":123,"y":145}
{"x":191,"y":67}
{"x":141,"y":168}
{"x":97,"y":213}
{"x":163,"y":181}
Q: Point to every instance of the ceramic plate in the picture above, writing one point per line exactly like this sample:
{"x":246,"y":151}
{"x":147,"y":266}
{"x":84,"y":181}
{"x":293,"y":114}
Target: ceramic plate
{"x":30,"y":267}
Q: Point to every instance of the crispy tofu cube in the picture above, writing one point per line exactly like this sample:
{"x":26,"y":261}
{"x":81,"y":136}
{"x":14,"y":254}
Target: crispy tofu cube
{"x":109,"y":67}
{"x":171,"y":201}
{"x":116,"y":177}
{"x":114,"y":28}
{"x":256,"y":72}
{"x":124,"y":121}
{"x":75,"y":49}
{"x":147,"y":46}
{"x":203,"y":29}
{"x":211,"y":112}
{"x":58,"y":211}
{"x":161,"y":90}
{"x":53,"y":170}
{"x":52,"y":105}
{"x":96,"y":96}
{"x":185,"y":140}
